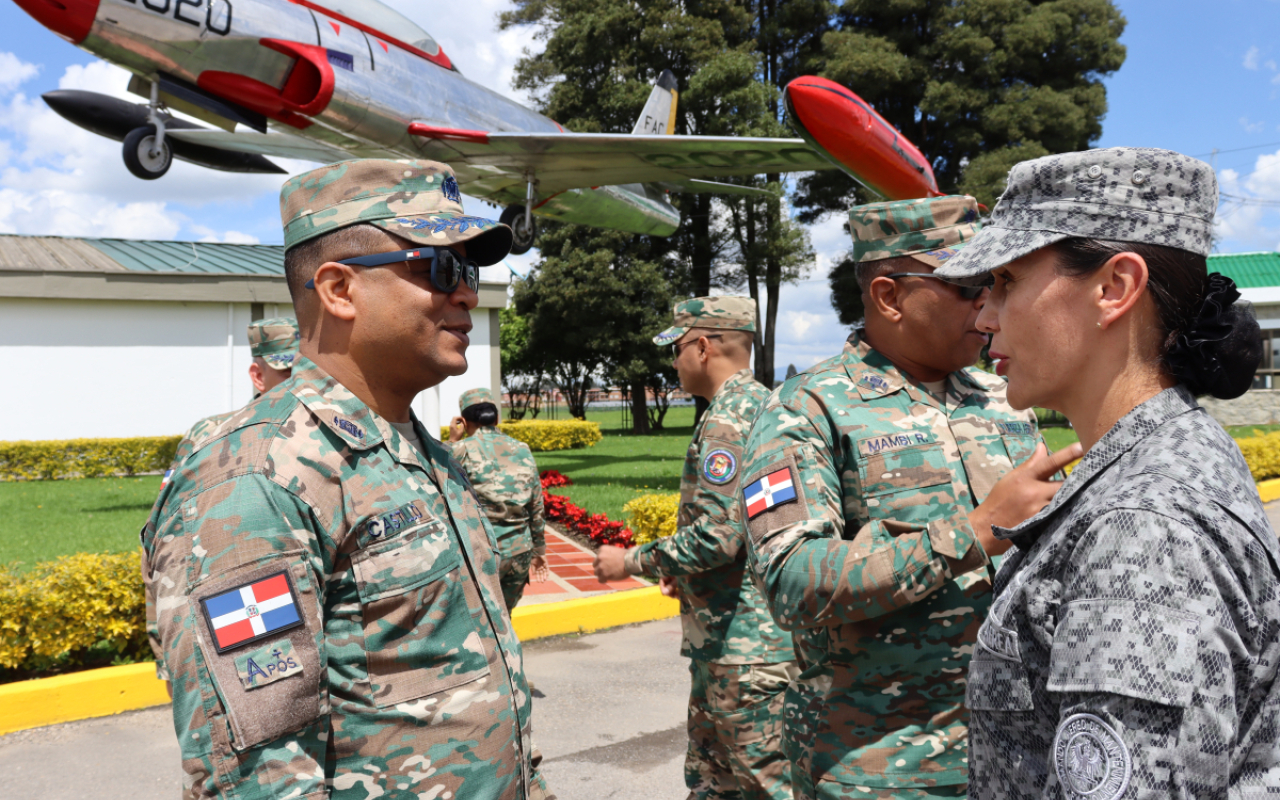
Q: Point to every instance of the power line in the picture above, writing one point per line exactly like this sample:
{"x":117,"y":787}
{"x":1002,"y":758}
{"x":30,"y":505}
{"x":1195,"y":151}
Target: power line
{"x":1237,"y":149}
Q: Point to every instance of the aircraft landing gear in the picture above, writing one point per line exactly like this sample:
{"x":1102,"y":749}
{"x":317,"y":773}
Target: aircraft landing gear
{"x":146,"y":154}
{"x":522,"y":225}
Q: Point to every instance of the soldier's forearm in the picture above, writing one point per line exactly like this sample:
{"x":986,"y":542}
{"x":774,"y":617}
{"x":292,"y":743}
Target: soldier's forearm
{"x":688,"y":551}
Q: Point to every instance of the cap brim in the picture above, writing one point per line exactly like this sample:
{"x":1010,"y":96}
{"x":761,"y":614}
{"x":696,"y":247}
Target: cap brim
{"x":992,"y":248}
{"x":670,"y":335}
{"x":280,"y":360}
{"x":488,"y":242}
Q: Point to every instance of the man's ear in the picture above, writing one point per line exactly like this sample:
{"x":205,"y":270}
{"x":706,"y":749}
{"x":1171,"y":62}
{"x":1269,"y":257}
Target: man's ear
{"x":882,"y":295}
{"x":1120,"y":283}
{"x":333,"y":284}
{"x":256,"y":378}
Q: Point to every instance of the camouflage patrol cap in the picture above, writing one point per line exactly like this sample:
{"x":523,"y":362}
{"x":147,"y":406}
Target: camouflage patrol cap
{"x":275,"y":341}
{"x":472,"y":397}
{"x":727,"y":313}
{"x":1124,"y":194}
{"x":930,"y":230}
{"x":416,"y":199}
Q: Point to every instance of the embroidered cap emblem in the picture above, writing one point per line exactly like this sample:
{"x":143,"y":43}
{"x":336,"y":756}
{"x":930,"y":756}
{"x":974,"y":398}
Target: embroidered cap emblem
{"x":450,"y":189}
{"x":719,"y":466}
{"x":1091,"y":759}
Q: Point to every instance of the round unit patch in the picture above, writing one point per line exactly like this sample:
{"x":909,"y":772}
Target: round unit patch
{"x":1090,"y":758}
{"x":719,"y":466}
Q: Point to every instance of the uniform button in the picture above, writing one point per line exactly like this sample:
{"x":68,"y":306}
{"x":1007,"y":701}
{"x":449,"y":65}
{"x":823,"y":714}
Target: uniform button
{"x":1095,"y":171}
{"x":1139,"y":177}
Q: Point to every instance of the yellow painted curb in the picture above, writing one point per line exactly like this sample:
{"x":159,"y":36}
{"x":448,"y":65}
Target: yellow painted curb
{"x":94,"y":693}
{"x":111,"y":690}
{"x":1269,"y":490}
{"x":593,"y":613}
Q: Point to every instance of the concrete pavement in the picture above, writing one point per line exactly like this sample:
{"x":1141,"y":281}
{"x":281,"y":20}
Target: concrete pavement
{"x":1273,"y":514}
{"x":609,"y":712}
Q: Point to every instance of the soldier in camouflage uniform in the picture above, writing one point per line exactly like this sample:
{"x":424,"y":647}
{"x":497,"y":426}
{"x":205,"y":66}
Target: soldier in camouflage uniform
{"x":327,"y":587}
{"x":860,"y":482}
{"x":273,"y":343}
{"x":740,"y":660}
{"x":505,"y":477}
{"x":1133,"y":648}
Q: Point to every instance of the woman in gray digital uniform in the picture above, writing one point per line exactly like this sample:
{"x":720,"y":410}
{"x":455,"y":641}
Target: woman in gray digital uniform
{"x":1133,"y":644}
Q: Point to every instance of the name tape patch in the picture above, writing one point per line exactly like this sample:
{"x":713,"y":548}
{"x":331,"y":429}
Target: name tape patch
{"x":252,"y":611}
{"x":268,"y":665}
{"x":719,"y":466}
{"x":775,"y":489}
{"x":395,"y":521}
{"x":892,"y":441}
{"x":1015,"y":428}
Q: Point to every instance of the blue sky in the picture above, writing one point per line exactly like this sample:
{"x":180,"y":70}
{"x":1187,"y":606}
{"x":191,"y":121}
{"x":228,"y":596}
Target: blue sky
{"x":1198,"y":76}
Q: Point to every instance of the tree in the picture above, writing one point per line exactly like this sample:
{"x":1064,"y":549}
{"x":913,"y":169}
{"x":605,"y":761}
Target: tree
{"x":522,"y":371}
{"x":977,"y":85}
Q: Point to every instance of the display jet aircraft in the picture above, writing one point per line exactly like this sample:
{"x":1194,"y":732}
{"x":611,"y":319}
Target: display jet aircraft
{"x":328,"y":80}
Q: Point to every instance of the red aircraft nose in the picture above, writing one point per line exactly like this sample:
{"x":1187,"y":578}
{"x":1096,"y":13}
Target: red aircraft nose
{"x":70,"y":19}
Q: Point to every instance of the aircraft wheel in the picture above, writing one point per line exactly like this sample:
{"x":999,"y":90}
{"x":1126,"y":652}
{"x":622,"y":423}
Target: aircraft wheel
{"x":137,"y":154}
{"x":524,"y":234}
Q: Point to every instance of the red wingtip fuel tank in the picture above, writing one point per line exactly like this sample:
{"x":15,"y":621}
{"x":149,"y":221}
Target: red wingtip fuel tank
{"x":845,"y":129}
{"x":70,"y":19}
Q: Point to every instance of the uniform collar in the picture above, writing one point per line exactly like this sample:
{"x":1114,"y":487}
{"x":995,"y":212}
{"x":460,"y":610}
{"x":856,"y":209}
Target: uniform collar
{"x":876,"y":376}
{"x":1126,"y":434}
{"x":735,"y":381}
{"x":347,"y":416}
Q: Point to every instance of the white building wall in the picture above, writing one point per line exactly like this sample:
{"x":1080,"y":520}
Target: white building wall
{"x":83,"y":368}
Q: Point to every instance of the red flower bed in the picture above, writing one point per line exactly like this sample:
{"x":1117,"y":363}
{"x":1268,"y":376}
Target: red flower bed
{"x":596,"y":527}
{"x":552,"y":478}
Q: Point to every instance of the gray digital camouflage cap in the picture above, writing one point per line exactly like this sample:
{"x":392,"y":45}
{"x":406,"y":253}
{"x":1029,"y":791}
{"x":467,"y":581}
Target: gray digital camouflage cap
{"x":415,"y":199}
{"x":1123,"y":194}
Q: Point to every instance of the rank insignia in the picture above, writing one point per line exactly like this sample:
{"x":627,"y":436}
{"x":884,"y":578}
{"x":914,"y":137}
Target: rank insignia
{"x":450,"y":189}
{"x":771,"y":491}
{"x":251,"y":611}
{"x":719,"y":466}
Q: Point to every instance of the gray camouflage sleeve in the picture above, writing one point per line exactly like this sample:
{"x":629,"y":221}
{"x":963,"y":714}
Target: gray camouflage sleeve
{"x":1137,"y":663}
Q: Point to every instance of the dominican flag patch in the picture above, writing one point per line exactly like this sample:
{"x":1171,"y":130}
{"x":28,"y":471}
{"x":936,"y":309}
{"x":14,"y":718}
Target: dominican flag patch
{"x":252,"y":611}
{"x":772,"y":490}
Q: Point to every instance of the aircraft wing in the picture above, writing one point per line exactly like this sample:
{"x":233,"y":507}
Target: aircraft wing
{"x":564,"y":161}
{"x":268,"y":144}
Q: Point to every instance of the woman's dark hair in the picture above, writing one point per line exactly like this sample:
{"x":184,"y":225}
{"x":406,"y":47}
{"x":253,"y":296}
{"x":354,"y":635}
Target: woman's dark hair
{"x":1211,"y":344}
{"x":482,"y":414}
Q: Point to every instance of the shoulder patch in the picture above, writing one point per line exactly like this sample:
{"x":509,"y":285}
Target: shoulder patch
{"x":251,"y":611}
{"x":1091,"y":759}
{"x":772,"y":490}
{"x":268,"y":664}
{"x":719,"y":466}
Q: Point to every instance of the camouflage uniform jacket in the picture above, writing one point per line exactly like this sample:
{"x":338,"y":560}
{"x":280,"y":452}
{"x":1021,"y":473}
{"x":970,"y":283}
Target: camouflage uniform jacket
{"x":725,"y":619}
{"x":401,"y":674}
{"x":505,"y":477}
{"x":1133,"y":647}
{"x":873,"y":564}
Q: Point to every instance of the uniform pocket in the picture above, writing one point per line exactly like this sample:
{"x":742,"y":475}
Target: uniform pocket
{"x":416,"y":601}
{"x":259,"y":632}
{"x":904,"y":484}
{"x":996,"y":684}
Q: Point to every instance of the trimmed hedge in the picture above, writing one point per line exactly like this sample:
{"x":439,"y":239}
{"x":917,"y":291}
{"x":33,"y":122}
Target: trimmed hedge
{"x":1262,"y":454}
{"x":553,"y":434}
{"x":652,"y":516}
{"x":80,"y":610}
{"x":85,"y":458}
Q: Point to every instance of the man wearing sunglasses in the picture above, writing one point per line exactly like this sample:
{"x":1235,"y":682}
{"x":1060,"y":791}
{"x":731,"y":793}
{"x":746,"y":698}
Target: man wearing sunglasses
{"x":328,"y":597}
{"x":868,"y":499}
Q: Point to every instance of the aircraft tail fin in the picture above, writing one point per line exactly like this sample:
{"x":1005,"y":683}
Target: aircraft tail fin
{"x":659,"y":115}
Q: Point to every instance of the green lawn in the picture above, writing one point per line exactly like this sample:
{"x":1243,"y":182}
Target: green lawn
{"x":41,"y":520}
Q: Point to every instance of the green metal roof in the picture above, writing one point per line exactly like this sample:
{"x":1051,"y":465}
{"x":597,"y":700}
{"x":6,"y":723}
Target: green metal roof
{"x":1248,"y":270}
{"x":192,"y":257}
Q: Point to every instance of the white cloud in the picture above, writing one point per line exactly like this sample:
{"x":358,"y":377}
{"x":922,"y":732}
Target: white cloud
{"x":229,"y":237}
{"x":14,"y":72}
{"x":1251,"y":127}
{"x":1251,"y":58}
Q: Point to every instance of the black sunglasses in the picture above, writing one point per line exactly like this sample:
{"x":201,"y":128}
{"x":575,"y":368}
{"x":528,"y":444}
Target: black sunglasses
{"x":967,"y":292}
{"x":448,"y":267}
{"x":675,"y":348}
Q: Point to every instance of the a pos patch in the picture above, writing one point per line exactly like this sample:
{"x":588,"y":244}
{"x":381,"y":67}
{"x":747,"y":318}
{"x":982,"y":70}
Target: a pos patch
{"x":1091,"y":759}
{"x":251,"y":611}
{"x":719,"y":466}
{"x":775,"y":489}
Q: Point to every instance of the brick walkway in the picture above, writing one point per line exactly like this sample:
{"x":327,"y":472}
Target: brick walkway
{"x":571,"y":575}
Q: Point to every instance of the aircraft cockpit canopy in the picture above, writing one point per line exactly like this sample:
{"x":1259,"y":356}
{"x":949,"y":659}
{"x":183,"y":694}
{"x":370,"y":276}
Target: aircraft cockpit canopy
{"x":385,"y":20}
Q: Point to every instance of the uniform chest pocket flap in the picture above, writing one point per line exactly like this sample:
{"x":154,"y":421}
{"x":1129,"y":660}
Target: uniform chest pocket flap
{"x":904,"y":483}
{"x":258,"y":626}
{"x":418,"y":607}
